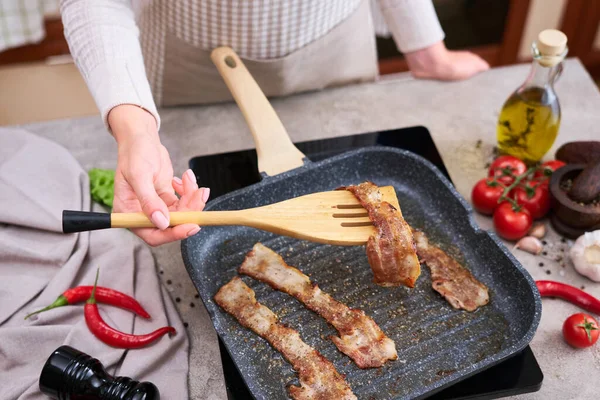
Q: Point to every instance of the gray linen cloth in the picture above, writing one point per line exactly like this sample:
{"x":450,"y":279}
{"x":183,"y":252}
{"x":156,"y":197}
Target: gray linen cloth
{"x":38,"y":179}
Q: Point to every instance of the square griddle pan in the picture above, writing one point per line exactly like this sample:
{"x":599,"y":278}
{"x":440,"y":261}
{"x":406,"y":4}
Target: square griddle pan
{"x":437,"y":345}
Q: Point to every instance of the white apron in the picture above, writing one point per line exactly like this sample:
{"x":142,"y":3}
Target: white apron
{"x":346,"y":54}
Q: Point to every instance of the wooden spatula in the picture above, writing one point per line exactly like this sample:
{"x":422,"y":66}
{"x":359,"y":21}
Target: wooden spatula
{"x":334,"y":217}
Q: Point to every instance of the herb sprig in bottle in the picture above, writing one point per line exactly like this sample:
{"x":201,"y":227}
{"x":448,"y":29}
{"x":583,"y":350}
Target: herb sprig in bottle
{"x":530,"y":118}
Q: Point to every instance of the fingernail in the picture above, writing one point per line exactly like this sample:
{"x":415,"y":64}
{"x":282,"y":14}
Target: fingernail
{"x":205,"y":194}
{"x":159,"y":220}
{"x":177,"y":180}
{"x":193,"y":231}
{"x":191,"y":175}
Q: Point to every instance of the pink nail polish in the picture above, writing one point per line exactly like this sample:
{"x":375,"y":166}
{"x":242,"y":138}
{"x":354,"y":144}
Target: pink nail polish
{"x":192,"y":232}
{"x":177,"y":180}
{"x":159,"y":220}
{"x":205,"y":194}
{"x":191,"y":175}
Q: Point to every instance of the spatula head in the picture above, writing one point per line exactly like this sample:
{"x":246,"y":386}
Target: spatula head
{"x":334,"y":217}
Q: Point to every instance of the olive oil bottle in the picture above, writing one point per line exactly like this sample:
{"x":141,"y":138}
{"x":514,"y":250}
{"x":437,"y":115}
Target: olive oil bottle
{"x":530,"y":117}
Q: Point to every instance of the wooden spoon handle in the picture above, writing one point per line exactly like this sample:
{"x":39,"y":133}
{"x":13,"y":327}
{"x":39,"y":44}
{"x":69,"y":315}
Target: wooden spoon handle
{"x":276,"y":152}
{"x":81,"y":221}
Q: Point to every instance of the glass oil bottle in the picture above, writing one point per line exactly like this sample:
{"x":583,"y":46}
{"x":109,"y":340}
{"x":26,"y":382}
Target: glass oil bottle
{"x":530,"y":118}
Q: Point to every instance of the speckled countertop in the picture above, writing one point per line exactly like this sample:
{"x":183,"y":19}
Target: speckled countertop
{"x":458,"y":115}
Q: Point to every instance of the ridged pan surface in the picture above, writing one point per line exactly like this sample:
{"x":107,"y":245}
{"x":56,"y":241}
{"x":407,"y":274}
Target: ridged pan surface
{"x":437,"y":345}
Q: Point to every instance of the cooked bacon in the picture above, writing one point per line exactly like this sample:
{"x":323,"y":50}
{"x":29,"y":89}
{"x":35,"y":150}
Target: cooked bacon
{"x":450,"y":279}
{"x":360,"y":337}
{"x":391,"y":252}
{"x":319,"y":380}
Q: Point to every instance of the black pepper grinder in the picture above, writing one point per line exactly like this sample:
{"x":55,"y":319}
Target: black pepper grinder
{"x":70,"y":374}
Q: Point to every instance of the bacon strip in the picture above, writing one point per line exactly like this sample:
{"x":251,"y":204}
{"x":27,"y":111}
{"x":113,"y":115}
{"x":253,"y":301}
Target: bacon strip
{"x":391,"y":252}
{"x":319,"y":380}
{"x":360,"y":337}
{"x":450,"y":279}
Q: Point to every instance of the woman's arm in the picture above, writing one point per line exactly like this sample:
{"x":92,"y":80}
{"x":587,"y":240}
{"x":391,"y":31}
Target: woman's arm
{"x":104,"y":41}
{"x":419,"y":35}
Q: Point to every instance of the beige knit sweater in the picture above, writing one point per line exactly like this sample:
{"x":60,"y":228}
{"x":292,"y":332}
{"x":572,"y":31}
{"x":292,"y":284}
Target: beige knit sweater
{"x":104,"y":38}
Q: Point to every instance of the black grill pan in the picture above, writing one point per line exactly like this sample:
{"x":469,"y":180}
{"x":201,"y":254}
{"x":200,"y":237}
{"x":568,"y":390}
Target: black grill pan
{"x":437,"y":345}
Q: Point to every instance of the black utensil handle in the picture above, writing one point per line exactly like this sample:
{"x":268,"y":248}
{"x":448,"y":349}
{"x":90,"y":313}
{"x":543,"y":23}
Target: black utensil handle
{"x":83,"y":221}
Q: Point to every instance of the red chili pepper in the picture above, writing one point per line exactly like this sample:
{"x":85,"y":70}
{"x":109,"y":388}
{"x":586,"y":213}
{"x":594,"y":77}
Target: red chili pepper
{"x":113,"y":337}
{"x":569,"y":293}
{"x":103,"y":295}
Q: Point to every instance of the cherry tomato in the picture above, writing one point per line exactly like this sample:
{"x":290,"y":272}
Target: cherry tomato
{"x":511,"y":222}
{"x":485,"y":195}
{"x":581,"y":330}
{"x":534,"y":197}
{"x":503,"y":166}
{"x":547,"y":168}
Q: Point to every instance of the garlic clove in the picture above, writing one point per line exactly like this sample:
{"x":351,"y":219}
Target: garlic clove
{"x":538,"y":230}
{"x":529,"y":244}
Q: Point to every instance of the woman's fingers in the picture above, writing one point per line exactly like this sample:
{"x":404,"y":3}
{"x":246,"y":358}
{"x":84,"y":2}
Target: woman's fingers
{"x":192,"y":201}
{"x":152,"y":205}
{"x":156,"y":237}
{"x":191,"y":197}
{"x":177,"y":185}
{"x":189,"y":181}
{"x":169,"y":197}
{"x":205,"y":195}
{"x":187,"y":185}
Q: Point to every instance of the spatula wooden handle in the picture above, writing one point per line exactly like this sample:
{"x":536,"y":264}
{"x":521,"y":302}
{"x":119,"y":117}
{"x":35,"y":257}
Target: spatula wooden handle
{"x":81,"y":221}
{"x":276,"y":152}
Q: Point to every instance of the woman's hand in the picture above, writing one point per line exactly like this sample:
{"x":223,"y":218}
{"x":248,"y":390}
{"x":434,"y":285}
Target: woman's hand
{"x":437,"y":62}
{"x":144,"y":177}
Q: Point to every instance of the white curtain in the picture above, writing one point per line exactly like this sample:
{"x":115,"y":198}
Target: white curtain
{"x":22,"y":21}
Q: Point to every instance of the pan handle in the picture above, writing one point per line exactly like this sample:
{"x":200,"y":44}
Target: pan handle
{"x":276,"y":152}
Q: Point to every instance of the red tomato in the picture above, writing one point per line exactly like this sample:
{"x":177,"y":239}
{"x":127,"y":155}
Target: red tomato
{"x":503,"y":166}
{"x":580,"y":330}
{"x":511,"y":223}
{"x":547,"y":168}
{"x":485,"y":195}
{"x":534,"y":197}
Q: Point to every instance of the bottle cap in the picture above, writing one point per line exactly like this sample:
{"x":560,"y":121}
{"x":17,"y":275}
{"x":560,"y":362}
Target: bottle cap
{"x":551,"y":44}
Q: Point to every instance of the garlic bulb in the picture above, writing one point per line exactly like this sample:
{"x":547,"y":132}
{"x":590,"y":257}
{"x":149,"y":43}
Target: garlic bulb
{"x":585,"y":255}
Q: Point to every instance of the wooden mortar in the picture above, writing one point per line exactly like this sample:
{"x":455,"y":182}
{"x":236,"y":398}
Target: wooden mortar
{"x":570,"y":218}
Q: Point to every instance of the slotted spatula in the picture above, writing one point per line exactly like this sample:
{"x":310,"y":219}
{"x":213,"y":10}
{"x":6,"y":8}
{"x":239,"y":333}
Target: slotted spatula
{"x":334,"y":217}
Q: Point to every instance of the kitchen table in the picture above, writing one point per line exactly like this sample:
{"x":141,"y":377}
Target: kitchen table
{"x":458,"y":114}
